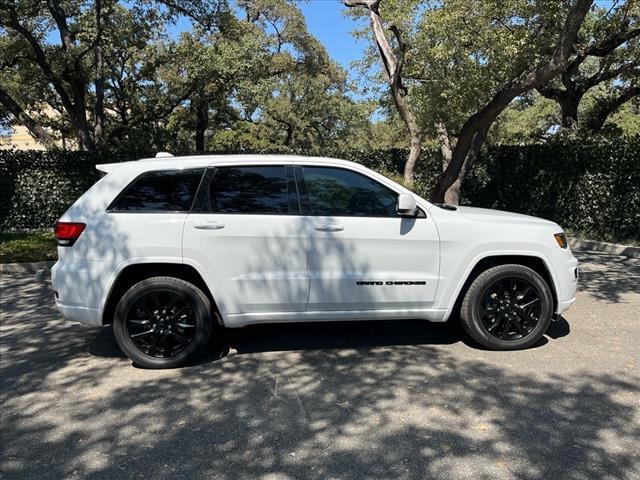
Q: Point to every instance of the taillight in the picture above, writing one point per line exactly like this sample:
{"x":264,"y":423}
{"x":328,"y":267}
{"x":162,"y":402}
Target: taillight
{"x":68,"y":232}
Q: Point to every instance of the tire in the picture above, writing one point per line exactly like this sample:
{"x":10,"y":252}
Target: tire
{"x":163,"y":322}
{"x":494,"y":314}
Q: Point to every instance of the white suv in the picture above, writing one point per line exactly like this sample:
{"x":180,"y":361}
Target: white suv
{"x":168,"y":249}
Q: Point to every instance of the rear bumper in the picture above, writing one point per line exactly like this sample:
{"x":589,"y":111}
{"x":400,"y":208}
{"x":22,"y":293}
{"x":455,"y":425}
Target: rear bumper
{"x":85,"y":315}
{"x":79,"y":288}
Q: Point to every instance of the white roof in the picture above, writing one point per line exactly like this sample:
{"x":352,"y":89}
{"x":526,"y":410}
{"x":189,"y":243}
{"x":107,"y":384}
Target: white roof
{"x":195,"y":161}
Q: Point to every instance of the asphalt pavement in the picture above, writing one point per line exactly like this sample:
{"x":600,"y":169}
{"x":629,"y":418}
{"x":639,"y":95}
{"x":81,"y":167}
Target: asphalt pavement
{"x":370,"y":400}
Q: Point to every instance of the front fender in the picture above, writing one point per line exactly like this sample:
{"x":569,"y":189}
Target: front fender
{"x":449,"y":295}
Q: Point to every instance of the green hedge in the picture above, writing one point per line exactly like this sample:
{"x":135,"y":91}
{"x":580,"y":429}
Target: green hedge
{"x":590,"y":188}
{"x":37,"y":187}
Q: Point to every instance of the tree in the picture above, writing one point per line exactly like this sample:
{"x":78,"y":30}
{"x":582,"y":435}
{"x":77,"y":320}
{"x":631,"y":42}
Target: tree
{"x":71,"y":72}
{"x":473,"y":58}
{"x":529,"y":119}
{"x":519,"y":82}
{"x":295,"y":96}
{"x":612,"y":57}
{"x":611,"y":104}
{"x":393,"y":62}
{"x":211,"y":68}
{"x":249,"y":76}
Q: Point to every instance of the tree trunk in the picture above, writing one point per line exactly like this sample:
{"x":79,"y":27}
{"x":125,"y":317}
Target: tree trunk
{"x":481,"y":120}
{"x":569,"y":108}
{"x":98,"y":129}
{"x":37,"y":131}
{"x":393,"y":65}
{"x":452,"y":195}
{"x":202,"y":123}
{"x":445,"y":145}
{"x":289,"y":138}
{"x":414,"y":155}
{"x":525,"y":81}
{"x":81,"y":130}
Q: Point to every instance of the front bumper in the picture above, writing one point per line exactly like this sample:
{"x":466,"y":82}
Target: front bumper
{"x":568,"y":283}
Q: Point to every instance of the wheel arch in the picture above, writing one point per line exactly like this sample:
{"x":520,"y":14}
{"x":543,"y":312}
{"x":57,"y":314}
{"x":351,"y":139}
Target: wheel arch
{"x":535,"y":262}
{"x":133,"y":273}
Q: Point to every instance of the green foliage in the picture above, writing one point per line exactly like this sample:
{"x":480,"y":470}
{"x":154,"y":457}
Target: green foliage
{"x":27,"y":247}
{"x":625,"y":121}
{"x":247,"y":75}
{"x":37,"y":187}
{"x":591,"y":188}
{"x":530,"y":119}
{"x":588,"y":187}
{"x":460,"y":52}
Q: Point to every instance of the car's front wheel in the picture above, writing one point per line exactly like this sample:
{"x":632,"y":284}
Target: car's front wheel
{"x":163,"y":322}
{"x":507,"y":307}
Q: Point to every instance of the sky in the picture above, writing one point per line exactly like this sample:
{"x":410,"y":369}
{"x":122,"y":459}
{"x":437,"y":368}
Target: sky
{"x":327,"y":23}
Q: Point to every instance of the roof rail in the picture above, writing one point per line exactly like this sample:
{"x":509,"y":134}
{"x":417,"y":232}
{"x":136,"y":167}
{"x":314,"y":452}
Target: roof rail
{"x":163,"y":155}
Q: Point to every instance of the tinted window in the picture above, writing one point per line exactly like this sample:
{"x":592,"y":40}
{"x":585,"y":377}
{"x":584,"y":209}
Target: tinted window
{"x":259,"y":189}
{"x":164,"y":191}
{"x":338,"y":192}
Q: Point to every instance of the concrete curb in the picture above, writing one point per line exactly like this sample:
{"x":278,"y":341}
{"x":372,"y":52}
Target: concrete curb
{"x":28,"y":267}
{"x":581,"y":245}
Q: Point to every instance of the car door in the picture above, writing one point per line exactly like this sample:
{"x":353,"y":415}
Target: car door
{"x":362,"y":254}
{"x":247,"y":234}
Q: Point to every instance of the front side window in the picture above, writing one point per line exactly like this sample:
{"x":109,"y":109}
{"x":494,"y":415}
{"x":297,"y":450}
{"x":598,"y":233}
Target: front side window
{"x":250,"y":190}
{"x":339,"y":192}
{"x":161,"y":191}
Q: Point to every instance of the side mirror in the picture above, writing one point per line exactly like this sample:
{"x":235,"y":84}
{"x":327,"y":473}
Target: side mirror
{"x":407,"y":205}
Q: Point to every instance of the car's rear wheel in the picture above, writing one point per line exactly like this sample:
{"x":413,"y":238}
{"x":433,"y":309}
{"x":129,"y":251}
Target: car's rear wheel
{"x":507,"y":307}
{"x":163,"y":322}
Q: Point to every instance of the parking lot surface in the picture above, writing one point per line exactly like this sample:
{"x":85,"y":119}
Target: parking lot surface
{"x":358,"y":400}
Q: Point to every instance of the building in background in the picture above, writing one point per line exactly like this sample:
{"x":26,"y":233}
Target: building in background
{"x":19,"y":138}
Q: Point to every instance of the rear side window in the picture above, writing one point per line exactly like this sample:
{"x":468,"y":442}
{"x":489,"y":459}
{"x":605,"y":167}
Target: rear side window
{"x":251,"y":190}
{"x":161,"y":191}
{"x":339,"y":192}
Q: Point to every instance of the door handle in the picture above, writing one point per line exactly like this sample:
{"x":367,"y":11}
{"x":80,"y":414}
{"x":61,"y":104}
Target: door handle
{"x":329,"y":228}
{"x":208,"y":225}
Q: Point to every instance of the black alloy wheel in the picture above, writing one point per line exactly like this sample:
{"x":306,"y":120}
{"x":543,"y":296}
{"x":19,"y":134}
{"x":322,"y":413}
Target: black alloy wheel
{"x":507,"y":307}
{"x":163,"y":322}
{"x":510,"y":308}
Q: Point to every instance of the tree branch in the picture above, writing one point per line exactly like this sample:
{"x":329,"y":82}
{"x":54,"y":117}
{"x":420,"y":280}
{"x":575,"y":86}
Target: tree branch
{"x":523,"y":82}
{"x":607,"y":45}
{"x":38,"y":132}
{"x":40,"y":58}
{"x":66,"y":36}
{"x":159,"y":114}
{"x":607,"y":108}
{"x":609,"y":74}
{"x":179,"y":6}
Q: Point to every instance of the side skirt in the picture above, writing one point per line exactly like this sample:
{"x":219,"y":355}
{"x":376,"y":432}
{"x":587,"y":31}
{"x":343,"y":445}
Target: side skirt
{"x":244,"y":319}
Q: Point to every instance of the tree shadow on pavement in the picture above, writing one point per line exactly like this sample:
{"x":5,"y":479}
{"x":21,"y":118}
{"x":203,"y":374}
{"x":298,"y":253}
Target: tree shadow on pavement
{"x":362,"y":400}
{"x":608,"y":277}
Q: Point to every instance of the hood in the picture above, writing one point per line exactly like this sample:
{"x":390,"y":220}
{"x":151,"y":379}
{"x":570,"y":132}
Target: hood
{"x":498,"y":216}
